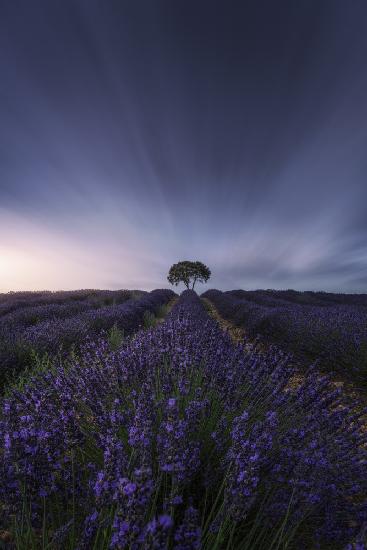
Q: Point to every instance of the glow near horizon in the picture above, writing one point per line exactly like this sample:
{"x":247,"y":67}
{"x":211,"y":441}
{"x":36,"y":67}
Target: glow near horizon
{"x":41,"y":258}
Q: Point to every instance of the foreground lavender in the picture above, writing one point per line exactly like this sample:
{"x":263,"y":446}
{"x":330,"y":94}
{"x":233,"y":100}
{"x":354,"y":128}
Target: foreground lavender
{"x":334,"y":333}
{"x":180,"y":439}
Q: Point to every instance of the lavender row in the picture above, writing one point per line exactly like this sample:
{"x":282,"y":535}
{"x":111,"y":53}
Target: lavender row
{"x":14,"y":347}
{"x":127,"y":317}
{"x":336,"y":335}
{"x":68,"y":324}
{"x":307,"y":298}
{"x":22,"y":317}
{"x":181,"y":439}
{"x":14,"y":301}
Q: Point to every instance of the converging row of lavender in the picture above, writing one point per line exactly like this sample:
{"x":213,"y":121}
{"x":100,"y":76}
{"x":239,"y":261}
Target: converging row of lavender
{"x":331,"y":329}
{"x":58,"y":321}
{"x":181,"y":439}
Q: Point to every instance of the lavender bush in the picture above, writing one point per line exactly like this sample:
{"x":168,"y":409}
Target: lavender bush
{"x":181,"y":439}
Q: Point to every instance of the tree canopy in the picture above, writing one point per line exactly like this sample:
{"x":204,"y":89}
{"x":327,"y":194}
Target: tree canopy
{"x":188,"y":272}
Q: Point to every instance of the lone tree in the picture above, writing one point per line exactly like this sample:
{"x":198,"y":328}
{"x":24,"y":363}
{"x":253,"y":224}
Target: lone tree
{"x":188,"y":272}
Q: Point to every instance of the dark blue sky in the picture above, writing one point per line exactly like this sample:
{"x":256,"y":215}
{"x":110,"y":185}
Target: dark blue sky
{"x":135,"y":133}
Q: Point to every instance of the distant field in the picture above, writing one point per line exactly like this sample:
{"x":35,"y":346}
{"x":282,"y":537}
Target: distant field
{"x":131,"y":420}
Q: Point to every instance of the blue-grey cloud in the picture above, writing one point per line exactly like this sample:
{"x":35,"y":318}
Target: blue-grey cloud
{"x":135,"y":134}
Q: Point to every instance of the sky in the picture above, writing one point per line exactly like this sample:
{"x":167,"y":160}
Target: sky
{"x":138,"y":133}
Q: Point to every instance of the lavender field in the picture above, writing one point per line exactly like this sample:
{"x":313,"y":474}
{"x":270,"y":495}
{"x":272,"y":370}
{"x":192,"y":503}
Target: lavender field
{"x":131,"y":420}
{"x":193,"y":146}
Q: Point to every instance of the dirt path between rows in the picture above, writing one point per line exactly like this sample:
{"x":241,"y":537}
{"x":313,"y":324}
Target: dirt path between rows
{"x":236,"y":333}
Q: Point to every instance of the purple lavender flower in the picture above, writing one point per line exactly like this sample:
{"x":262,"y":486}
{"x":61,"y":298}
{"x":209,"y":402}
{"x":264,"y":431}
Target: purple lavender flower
{"x":180,"y":428}
{"x":188,"y":534}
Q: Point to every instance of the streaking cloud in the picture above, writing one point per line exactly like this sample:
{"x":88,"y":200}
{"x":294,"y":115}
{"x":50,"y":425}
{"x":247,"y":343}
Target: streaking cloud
{"x":133,"y":138}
